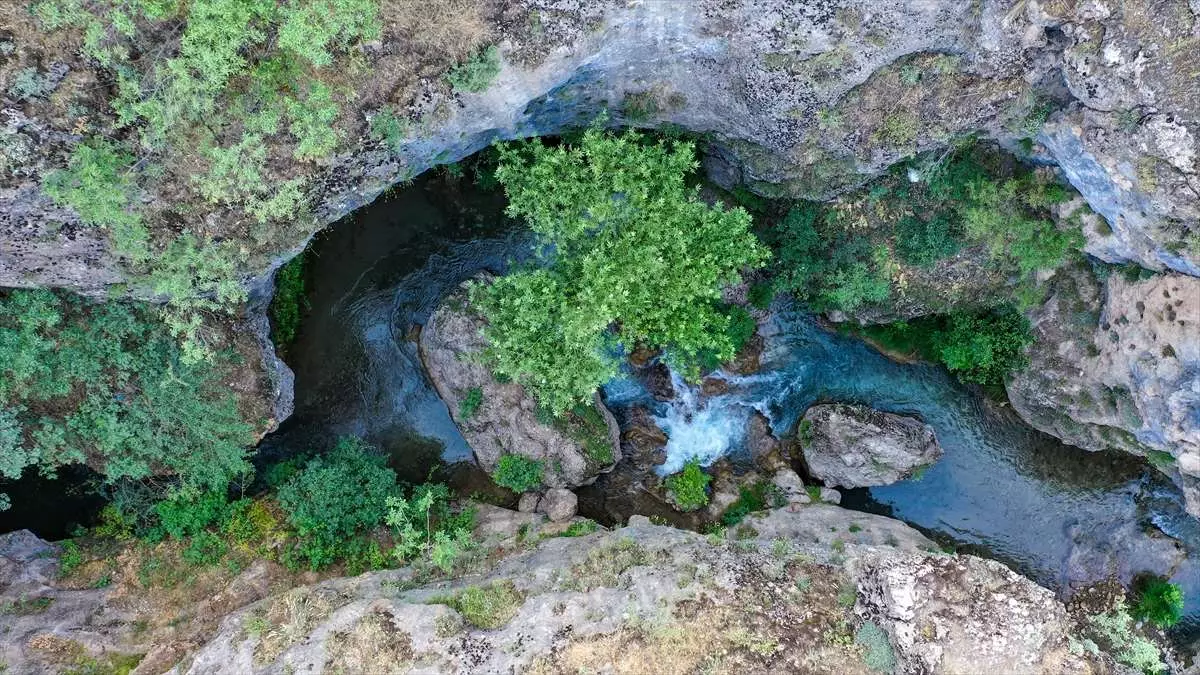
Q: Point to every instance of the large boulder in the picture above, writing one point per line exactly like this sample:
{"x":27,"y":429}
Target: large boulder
{"x":1116,"y":364}
{"x":856,"y":446}
{"x":962,"y":614}
{"x":501,"y":418}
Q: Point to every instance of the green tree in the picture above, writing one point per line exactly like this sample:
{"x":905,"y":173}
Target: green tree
{"x":629,"y":253}
{"x":984,"y":348}
{"x":336,"y":496}
{"x":106,"y":383}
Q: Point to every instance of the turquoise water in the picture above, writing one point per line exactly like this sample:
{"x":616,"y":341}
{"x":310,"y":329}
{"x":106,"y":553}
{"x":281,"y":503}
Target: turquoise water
{"x":1062,"y":515}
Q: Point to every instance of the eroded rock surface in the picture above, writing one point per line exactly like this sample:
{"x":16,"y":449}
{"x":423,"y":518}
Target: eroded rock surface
{"x":1116,"y":364}
{"x":500,"y":418}
{"x":962,"y":614}
{"x":856,"y":446}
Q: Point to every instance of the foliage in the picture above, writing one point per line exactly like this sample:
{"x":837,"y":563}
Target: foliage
{"x":752,"y":498}
{"x":586,"y":425}
{"x":761,"y":295}
{"x":981,"y":347}
{"x":518,"y":473}
{"x":1160,"y":602}
{"x":289,"y":302}
{"x":690,"y":486}
{"x":470,"y":403}
{"x":488,"y":607}
{"x":424,"y":523}
{"x":877,"y":648}
{"x":389,"y":127}
{"x":205,"y":548}
{"x":476,"y":73}
{"x":580,"y":528}
{"x":187,"y":514}
{"x":1114,"y":631}
{"x":924,"y":242}
{"x":70,"y":559}
{"x":336,"y":496}
{"x":98,"y":183}
{"x":625,"y":244}
{"x":106,"y":383}
{"x":984,"y":348}
{"x":827,"y":266}
{"x":29,"y":83}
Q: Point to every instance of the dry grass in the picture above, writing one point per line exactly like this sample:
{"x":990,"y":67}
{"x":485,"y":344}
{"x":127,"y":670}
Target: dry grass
{"x":290,"y":619}
{"x":374,"y":645}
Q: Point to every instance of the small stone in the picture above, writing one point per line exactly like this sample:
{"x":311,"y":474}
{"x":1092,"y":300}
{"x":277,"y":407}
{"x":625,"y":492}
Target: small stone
{"x":528,"y":503}
{"x":559,"y":504}
{"x":831,"y":496}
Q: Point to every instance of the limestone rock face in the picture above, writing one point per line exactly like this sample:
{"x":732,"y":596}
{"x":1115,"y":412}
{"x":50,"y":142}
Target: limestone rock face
{"x":796,"y":98}
{"x":855,"y":446}
{"x":1116,"y":364}
{"x":962,"y":614}
{"x":499,"y":418}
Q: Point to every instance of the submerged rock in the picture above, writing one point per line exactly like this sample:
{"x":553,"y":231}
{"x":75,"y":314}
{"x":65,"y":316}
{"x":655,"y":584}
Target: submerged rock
{"x":501,"y":418}
{"x":856,"y":446}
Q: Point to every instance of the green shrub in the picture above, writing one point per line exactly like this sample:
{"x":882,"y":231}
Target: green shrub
{"x":1115,"y":632}
{"x":826,"y":266}
{"x":690,"y":486}
{"x":634,"y":248}
{"x":389,"y":127}
{"x":205,"y":548}
{"x":1160,"y":602}
{"x":924,"y":242}
{"x":107,"y":383}
{"x":98,"y":183}
{"x":289,"y":303}
{"x":29,"y":83}
{"x":187,"y":514}
{"x":761,"y":295}
{"x":985,"y":348}
{"x":470,"y":403}
{"x":489,"y":607}
{"x":752,"y":498}
{"x":878,"y":654}
{"x":425,"y":523}
{"x":336,"y":496}
{"x":476,"y":73}
{"x":518,"y":473}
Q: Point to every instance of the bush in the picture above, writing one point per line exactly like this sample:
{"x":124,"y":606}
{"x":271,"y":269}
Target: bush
{"x":518,"y":473}
{"x":489,"y":607}
{"x":425,"y":523}
{"x":98,"y":183}
{"x":985,"y":348}
{"x":187,"y":514}
{"x":753,"y":498}
{"x":878,"y":654}
{"x":1115,"y":632}
{"x":1160,"y":602}
{"x":633,"y":249}
{"x":689,"y":487}
{"x":477,"y":73}
{"x":107,"y":383}
{"x":336,"y":496}
{"x":289,"y":302}
{"x":205,"y":548}
{"x":825,"y":265}
{"x":924,"y":242}
{"x":470,"y":403}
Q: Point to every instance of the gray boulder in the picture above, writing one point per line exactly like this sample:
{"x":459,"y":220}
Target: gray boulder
{"x":855,"y":446}
{"x":500,"y":418}
{"x":558,"y":504}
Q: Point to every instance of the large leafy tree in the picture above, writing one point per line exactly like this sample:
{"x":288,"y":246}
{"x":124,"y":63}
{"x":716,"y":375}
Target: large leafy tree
{"x":628,"y":253}
{"x":106,"y":384}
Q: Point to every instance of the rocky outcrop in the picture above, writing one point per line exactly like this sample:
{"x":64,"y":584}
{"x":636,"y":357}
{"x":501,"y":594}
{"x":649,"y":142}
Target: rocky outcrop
{"x":855,"y":446}
{"x":648,"y":598}
{"x":1116,"y":364}
{"x":962,"y":614}
{"x":501,"y":418}
{"x":800,"y":99}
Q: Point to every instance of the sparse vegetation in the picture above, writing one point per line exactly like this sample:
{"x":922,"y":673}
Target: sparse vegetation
{"x":289,"y":302}
{"x":877,"y":648}
{"x":476,"y":73}
{"x":488,"y":607}
{"x":469,"y":405}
